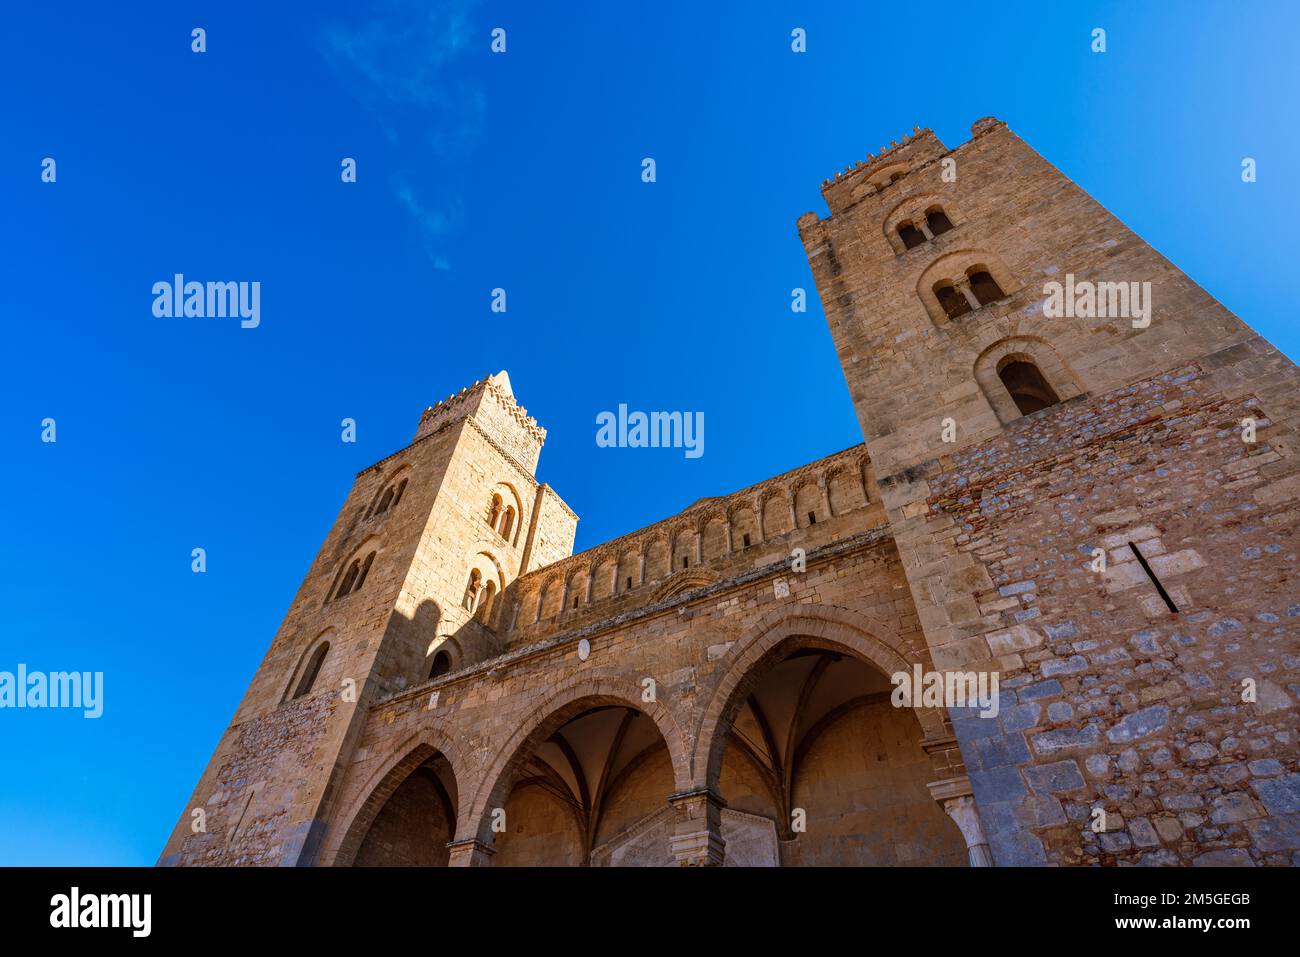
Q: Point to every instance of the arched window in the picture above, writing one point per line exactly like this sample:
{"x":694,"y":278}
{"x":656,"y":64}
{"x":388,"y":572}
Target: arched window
{"x":938,"y":221}
{"x":365,"y":570}
{"x":485,"y":603}
{"x":1028,"y":388}
{"x":910,"y":235}
{"x":472,"y":589}
{"x":312,"y":671}
{"x":983,"y":285}
{"x":441,"y":665}
{"x":494,"y":513}
{"x":508,"y":521}
{"x":349,"y":579}
{"x":954,"y":303}
{"x":389,"y":498}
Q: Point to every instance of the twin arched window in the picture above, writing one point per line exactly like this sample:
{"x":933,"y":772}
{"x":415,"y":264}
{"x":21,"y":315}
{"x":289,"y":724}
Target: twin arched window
{"x":935,"y":223}
{"x":501,"y":517}
{"x":976,"y":289}
{"x":355,"y":576}
{"x":389,"y":498}
{"x":480,"y":595}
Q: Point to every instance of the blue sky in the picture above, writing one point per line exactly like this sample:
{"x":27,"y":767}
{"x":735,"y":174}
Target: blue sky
{"x":478,"y":171}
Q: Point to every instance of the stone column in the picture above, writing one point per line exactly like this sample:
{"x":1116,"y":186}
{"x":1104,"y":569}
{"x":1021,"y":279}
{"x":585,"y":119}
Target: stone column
{"x":731,"y":545}
{"x":924,"y":227}
{"x":794,"y":519}
{"x":826,"y":496}
{"x":955,"y":796}
{"x":963,"y":286}
{"x":964,"y":814}
{"x":696,"y":840}
{"x":470,"y":852}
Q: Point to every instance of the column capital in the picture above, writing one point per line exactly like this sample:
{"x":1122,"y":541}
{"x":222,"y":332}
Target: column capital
{"x":696,"y":840}
{"x":962,"y":285}
{"x":958,"y":802}
{"x":470,"y":852}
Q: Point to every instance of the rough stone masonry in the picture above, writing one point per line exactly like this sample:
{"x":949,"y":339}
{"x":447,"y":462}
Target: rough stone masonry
{"x":1101,"y":511}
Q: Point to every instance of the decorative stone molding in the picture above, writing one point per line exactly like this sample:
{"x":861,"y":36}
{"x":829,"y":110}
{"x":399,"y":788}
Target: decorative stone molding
{"x":696,"y":840}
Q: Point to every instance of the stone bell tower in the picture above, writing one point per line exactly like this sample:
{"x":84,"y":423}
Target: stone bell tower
{"x":408,"y":584}
{"x":1089,"y":467}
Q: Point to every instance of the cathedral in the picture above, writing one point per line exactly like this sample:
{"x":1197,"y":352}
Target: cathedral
{"x":1079,"y":482}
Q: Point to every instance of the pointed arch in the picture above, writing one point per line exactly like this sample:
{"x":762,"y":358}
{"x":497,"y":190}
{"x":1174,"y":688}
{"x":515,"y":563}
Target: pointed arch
{"x":790,"y":628}
{"x":364,"y":799}
{"x":573,"y":697}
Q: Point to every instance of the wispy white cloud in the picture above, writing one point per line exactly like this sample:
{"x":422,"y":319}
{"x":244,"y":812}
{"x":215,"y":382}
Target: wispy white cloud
{"x":406,"y":66}
{"x":433,"y":223}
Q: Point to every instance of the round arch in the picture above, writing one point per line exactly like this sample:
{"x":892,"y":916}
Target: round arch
{"x":804,"y":626}
{"x":355,"y":819}
{"x":568,"y":701}
{"x":1036,"y":350}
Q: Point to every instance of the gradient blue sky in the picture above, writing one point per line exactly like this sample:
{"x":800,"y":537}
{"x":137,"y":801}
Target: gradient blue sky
{"x":476,"y":171}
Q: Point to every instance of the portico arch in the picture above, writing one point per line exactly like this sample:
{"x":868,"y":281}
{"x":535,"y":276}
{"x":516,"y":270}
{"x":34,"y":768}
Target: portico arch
{"x":804,"y":626}
{"x":369,"y":798}
{"x":571,"y":699}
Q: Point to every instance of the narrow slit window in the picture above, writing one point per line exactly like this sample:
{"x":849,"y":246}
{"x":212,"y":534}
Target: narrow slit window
{"x":812,"y":518}
{"x":1137,"y":553}
{"x":745,"y":539}
{"x":629,"y":584}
